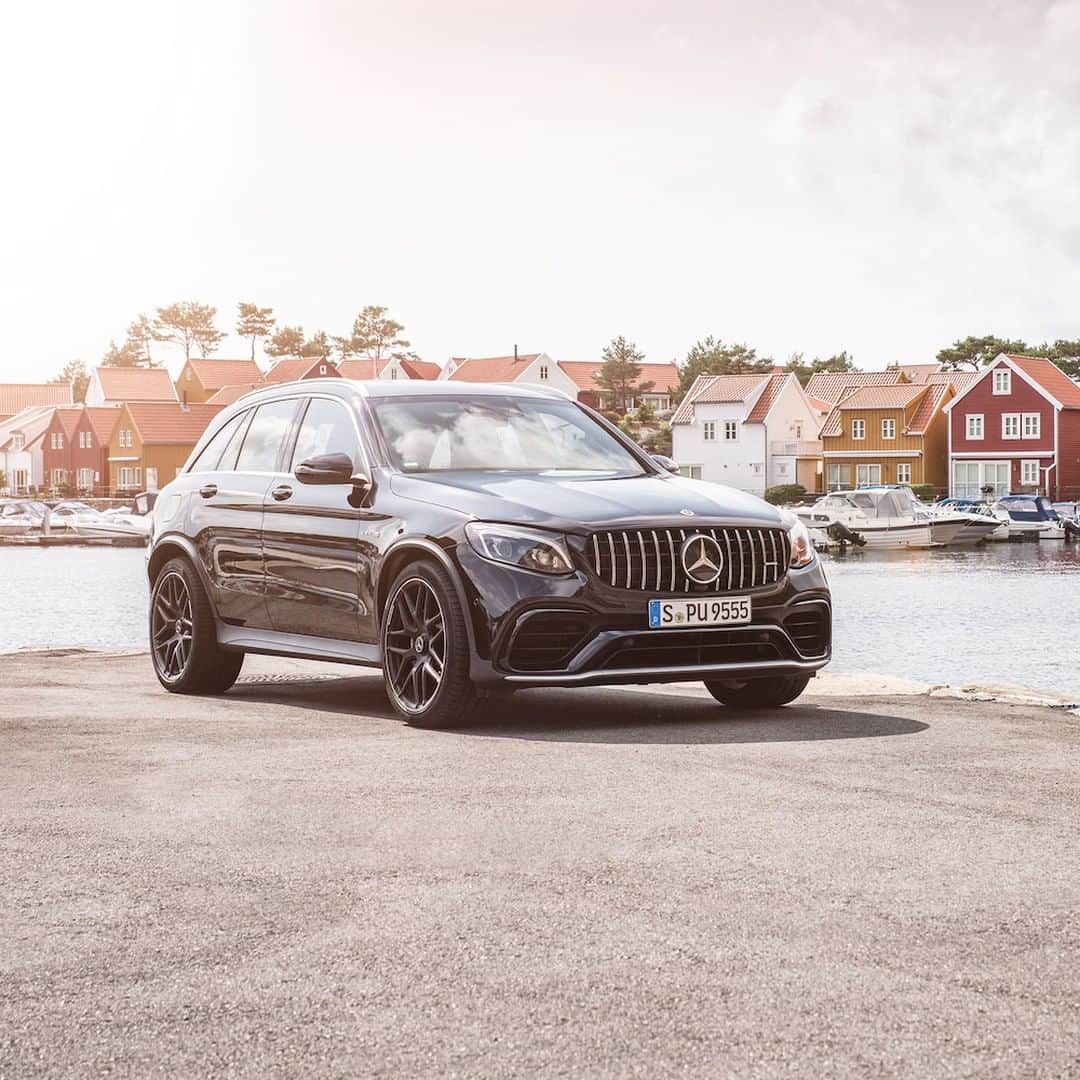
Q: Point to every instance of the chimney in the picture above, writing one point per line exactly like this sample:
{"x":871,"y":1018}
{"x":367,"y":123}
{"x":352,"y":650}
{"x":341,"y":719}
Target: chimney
{"x":515,"y":354}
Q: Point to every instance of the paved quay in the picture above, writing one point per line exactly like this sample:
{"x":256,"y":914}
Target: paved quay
{"x":288,"y":881}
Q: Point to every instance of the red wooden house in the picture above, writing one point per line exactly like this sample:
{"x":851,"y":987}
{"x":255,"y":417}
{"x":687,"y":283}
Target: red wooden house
{"x":1016,"y":428}
{"x":56,"y":447}
{"x":90,"y":450}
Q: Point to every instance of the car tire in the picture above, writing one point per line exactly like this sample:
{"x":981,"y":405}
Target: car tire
{"x":425,"y":648}
{"x":769,"y":693}
{"x":183,"y":639}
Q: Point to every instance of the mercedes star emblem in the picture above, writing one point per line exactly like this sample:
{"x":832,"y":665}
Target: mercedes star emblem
{"x":701,"y":559}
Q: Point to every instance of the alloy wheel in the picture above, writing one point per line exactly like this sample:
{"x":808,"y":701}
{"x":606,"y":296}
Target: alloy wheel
{"x":171,"y":627}
{"x":415,"y":645}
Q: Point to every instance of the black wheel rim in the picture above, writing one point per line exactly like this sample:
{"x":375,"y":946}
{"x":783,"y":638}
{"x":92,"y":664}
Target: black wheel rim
{"x":171,"y":626}
{"x":414,"y":645}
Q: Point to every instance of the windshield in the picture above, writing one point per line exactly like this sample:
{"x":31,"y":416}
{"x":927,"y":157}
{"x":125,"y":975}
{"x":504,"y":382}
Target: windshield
{"x":498,"y":435}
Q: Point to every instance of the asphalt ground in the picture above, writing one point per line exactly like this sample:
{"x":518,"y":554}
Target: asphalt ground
{"x":289,"y":881}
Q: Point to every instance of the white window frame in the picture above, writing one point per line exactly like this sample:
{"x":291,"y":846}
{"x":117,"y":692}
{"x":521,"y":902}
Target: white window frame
{"x":691,"y":472}
{"x":903,"y":472}
{"x":975,"y":421}
{"x":708,"y":431}
{"x":1010,"y":425}
{"x":731,"y":430}
{"x":858,"y":429}
{"x":870,"y":470}
{"x":842,"y":472}
{"x":888,"y":428}
{"x":543,"y":372}
{"x":1029,"y":472}
{"x":1036,"y":425}
{"x":1001,"y":381}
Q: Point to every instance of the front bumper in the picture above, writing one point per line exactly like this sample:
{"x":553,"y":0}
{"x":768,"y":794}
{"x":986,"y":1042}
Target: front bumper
{"x":536,"y":630}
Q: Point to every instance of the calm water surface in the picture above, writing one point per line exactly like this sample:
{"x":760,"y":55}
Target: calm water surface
{"x":1003,"y":613}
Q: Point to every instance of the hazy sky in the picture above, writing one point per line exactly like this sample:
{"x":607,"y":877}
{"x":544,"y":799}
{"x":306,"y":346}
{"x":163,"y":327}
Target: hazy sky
{"x":880,"y":177}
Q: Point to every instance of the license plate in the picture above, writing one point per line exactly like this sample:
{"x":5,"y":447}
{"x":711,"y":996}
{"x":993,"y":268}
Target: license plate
{"x":708,"y":611}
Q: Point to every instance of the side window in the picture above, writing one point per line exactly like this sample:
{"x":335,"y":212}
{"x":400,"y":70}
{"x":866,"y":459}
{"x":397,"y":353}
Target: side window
{"x":327,"y":429}
{"x":208,"y":459}
{"x":265,"y":436}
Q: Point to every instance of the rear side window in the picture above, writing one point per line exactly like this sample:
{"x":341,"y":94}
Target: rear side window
{"x":327,"y":429}
{"x":211,"y":453}
{"x":266,"y":435}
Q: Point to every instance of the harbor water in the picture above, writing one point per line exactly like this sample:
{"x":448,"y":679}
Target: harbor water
{"x":1002,"y":613}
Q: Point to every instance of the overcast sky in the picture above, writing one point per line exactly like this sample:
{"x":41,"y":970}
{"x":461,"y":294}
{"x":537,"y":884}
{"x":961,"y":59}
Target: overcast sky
{"x":880,"y":177}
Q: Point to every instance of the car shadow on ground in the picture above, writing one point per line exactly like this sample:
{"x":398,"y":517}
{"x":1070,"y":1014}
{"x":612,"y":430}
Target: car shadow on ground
{"x":608,"y":715}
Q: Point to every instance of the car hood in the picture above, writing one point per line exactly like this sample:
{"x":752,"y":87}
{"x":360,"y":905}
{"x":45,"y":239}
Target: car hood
{"x":568,"y":504}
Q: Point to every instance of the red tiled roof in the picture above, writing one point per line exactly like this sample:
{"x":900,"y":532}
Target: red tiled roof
{"x":358,"y":368}
{"x":716,"y":389}
{"x":958,"y":380}
{"x":69,"y":418}
{"x":927,"y":407}
{"x":293,"y":368}
{"x":818,"y":405}
{"x":916,"y":372}
{"x":228,"y":394}
{"x":664,"y":377}
{"x":14,"y":397}
{"x":214,"y":373}
{"x":582,"y":372}
{"x":102,"y":419}
{"x":169,"y":422}
{"x":421,"y":369}
{"x":136,"y":384}
{"x":1051,"y":378}
{"x":491,"y":368}
{"x":30,"y":422}
{"x":898,"y":396}
{"x":830,"y":386}
{"x":765,"y":400}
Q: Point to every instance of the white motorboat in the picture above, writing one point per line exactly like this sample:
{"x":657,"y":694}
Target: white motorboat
{"x":1031,"y":517}
{"x":881,"y":519}
{"x":22,"y":516}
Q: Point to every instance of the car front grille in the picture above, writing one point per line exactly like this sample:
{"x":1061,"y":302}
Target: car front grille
{"x":649,"y":559}
{"x":696,"y":648}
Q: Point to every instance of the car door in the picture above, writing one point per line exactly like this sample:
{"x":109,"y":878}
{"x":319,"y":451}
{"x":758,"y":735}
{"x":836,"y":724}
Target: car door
{"x":318,"y":579}
{"x":227,"y":509}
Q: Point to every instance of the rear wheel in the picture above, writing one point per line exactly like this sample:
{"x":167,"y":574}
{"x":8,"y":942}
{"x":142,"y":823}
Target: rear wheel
{"x":768,"y":693}
{"x":183,"y":640}
{"x":425,"y":648}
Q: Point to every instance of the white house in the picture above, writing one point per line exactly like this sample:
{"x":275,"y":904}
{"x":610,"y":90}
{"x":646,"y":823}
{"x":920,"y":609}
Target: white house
{"x":750,"y":432}
{"x":22,"y":449}
{"x":536,"y":368}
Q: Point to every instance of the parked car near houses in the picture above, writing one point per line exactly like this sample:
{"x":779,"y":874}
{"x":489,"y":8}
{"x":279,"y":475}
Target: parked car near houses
{"x":471,"y":538}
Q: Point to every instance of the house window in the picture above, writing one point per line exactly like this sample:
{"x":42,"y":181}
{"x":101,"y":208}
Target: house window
{"x":59,"y":476}
{"x":691,"y":471}
{"x":1002,"y":381}
{"x":971,"y":477}
{"x":974,"y":425}
{"x":322,"y":369}
{"x":86,"y":479}
{"x":393,"y":374}
{"x":709,"y":431}
{"x":903,"y":472}
{"x":187,"y":375}
{"x":839,"y":476}
{"x":57,"y":440}
{"x":543,"y":371}
{"x":796,"y":429}
{"x":129,"y":476}
{"x":1032,"y":425}
{"x":867,"y":475}
{"x":888,"y":429}
{"x":1010,"y":425}
{"x":18,"y":441}
{"x":1029,"y":472}
{"x":731,"y":430}
{"x":858,"y":429}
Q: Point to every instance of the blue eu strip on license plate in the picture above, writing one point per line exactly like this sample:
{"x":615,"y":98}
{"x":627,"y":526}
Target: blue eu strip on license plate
{"x":703,"y":611}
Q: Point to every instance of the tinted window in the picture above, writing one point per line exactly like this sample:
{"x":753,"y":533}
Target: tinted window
{"x":266,"y":436}
{"x":211,"y":454}
{"x":228,"y":458}
{"x":499,"y":434}
{"x":327,"y":429}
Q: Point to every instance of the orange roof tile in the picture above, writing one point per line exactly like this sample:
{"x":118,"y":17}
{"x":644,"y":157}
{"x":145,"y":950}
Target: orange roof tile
{"x":421,"y":369}
{"x":831,"y":386}
{"x":716,"y":389}
{"x":169,"y":422}
{"x":14,"y":397}
{"x":69,"y":418}
{"x":958,"y":380}
{"x":927,"y":407}
{"x":898,"y":396}
{"x":293,"y":368}
{"x":214,"y":373}
{"x":765,"y":400}
{"x":361,"y":368}
{"x":581,"y":372}
{"x":1051,"y":378}
{"x":135,"y":384}
{"x":228,"y":394}
{"x":102,"y":419}
{"x":491,"y":368}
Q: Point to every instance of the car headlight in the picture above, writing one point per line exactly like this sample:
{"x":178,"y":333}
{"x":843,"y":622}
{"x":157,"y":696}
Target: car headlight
{"x":531,"y":549}
{"x":802,"y":547}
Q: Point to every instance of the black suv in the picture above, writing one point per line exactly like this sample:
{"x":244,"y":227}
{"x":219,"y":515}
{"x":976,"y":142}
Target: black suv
{"x":465,"y":537}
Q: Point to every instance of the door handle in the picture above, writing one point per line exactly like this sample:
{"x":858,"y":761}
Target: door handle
{"x":281,"y":492}
{"x":208,"y":491}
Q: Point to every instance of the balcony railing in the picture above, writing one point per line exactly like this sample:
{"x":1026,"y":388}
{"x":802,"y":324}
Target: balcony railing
{"x":795,"y":448}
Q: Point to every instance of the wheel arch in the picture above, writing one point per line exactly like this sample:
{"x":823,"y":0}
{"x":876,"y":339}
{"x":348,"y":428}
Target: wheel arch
{"x":172,"y":547}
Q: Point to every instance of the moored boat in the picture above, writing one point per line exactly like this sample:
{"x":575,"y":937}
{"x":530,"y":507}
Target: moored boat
{"x":881,"y":519}
{"x":1031,"y":517}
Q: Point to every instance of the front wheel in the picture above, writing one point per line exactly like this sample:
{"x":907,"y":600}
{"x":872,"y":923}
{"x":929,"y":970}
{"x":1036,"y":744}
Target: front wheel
{"x":768,"y":693}
{"x":425,"y":647}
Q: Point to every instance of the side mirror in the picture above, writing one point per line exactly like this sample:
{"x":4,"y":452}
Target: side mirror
{"x":328,"y":469}
{"x":665,"y":463}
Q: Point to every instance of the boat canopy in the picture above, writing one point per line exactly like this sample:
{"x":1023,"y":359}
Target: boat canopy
{"x":877,"y":503}
{"x":1028,"y":507}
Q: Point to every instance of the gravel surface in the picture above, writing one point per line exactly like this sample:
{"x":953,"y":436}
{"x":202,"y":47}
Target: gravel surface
{"x":288,"y":881}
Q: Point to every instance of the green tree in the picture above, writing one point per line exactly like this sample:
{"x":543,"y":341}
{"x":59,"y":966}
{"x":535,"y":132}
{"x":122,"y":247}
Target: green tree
{"x":1066,"y":354}
{"x":710,"y":356}
{"x":126,"y":355}
{"x":74,"y":372}
{"x":189,"y":325}
{"x":317,"y":345}
{"x":375,"y":336}
{"x":254,"y":322}
{"x":804,"y":371}
{"x":976,"y":352}
{"x":620,"y":373}
{"x":140,"y":333}
{"x":286,"y":341}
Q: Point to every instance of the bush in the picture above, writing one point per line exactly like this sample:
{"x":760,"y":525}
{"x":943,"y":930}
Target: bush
{"x":926,"y":492}
{"x":785,"y":493}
